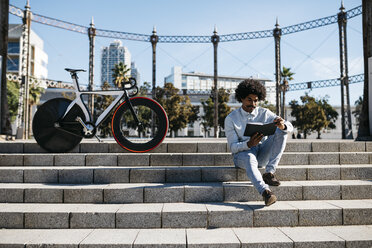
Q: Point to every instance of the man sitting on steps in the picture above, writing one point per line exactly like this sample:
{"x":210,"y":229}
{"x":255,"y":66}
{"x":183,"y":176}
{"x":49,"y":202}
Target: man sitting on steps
{"x":256,"y":151}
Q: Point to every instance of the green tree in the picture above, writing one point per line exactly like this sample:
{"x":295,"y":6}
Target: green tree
{"x":223,"y":110}
{"x":286,"y":75}
{"x":120,"y":74}
{"x":179,"y":109}
{"x":266,"y":104}
{"x":330,"y":112}
{"x":100,"y":104}
{"x":304,"y":114}
{"x":13,"y":97}
{"x":144,"y":89}
{"x":35,"y":92}
{"x":194,"y":116}
{"x":207,"y":119}
{"x":313,"y":115}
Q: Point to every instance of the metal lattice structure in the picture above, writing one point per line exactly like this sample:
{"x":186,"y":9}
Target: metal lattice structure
{"x":324,"y":83}
{"x":184,"y":38}
{"x":50,"y":83}
{"x":44,"y":83}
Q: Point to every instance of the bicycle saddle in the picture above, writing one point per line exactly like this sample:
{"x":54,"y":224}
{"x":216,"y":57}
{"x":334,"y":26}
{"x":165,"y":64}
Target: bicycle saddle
{"x":74,"y":70}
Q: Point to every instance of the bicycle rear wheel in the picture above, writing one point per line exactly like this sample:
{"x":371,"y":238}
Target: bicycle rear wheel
{"x":52,"y":137}
{"x":142,"y":138}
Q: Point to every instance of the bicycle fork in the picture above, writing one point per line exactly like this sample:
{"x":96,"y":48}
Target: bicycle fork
{"x":139,"y":124}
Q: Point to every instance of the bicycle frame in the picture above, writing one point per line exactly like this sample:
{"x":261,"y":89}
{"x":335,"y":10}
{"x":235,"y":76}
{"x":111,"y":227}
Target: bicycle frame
{"x":120,"y":94}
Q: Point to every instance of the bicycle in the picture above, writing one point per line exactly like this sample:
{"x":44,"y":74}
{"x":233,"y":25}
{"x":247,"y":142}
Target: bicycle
{"x":139,"y":124}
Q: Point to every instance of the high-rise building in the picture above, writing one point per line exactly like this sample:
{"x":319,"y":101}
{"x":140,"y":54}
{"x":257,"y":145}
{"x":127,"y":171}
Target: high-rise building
{"x":38,"y":58}
{"x":111,"y":56}
{"x":135,"y":73}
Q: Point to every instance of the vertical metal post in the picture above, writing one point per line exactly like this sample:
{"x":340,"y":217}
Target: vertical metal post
{"x":347,"y":132}
{"x":92,"y":35}
{"x":22,"y":116}
{"x":4,"y":110}
{"x":215,"y":40}
{"x":154,"y":40}
{"x":277,"y":34}
{"x":365,"y":121}
{"x":284,"y":87}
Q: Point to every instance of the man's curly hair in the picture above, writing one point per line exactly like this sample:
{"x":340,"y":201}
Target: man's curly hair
{"x":250,"y":86}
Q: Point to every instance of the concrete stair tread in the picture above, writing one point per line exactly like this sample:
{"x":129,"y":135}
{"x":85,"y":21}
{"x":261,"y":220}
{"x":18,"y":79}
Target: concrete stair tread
{"x":190,"y":184}
{"x":175,"y":159}
{"x":327,"y":236}
{"x":191,"y":145}
{"x":186,"y":215}
{"x":17,"y":167}
{"x":177,"y":174}
{"x":181,"y":192}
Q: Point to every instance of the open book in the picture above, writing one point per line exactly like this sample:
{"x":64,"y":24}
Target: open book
{"x":256,"y":127}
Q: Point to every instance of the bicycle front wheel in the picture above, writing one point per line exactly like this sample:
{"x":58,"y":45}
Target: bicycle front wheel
{"x":148,"y":134}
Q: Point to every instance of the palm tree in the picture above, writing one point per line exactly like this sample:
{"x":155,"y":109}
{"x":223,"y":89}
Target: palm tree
{"x":120,"y":74}
{"x":286,"y":76}
{"x":35,"y":92}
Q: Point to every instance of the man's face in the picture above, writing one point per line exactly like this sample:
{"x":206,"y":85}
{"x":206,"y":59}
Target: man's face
{"x":250,"y":103}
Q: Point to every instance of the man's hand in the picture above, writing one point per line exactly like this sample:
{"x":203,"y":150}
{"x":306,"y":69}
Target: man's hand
{"x":254,"y":140}
{"x":279,"y":122}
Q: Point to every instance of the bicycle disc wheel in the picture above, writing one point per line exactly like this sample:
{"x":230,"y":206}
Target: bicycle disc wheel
{"x":142,"y":138}
{"x":48,"y":135}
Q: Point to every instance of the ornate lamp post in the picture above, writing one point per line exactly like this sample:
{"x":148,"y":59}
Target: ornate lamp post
{"x":277,"y":34}
{"x":92,"y":35}
{"x":22,"y":116}
{"x":215,"y":39}
{"x":347,"y":131}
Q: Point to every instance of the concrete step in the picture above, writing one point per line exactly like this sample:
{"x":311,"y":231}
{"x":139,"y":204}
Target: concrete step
{"x":175,"y":159}
{"x":169,"y":174}
{"x":192,"y":145}
{"x":186,"y":215}
{"x":181,"y":192}
{"x":280,"y":237}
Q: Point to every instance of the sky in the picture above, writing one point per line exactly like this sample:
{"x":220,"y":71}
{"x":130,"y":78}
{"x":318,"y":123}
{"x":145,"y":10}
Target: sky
{"x":311,"y":55}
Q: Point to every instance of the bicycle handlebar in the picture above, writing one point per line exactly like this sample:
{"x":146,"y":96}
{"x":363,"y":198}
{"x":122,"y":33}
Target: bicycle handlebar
{"x":132,"y":83}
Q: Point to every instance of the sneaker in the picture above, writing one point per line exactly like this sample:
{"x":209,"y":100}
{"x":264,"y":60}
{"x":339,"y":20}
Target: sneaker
{"x":270,"y":179}
{"x":269,"y":197}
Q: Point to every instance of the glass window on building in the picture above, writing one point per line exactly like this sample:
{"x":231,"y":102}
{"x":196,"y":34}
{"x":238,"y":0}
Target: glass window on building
{"x":203,"y":84}
{"x":12,"y":64}
{"x":184,"y":84}
{"x":13,"y":47}
{"x":44,"y":64}
{"x":196,"y":84}
{"x":209,"y":83}
{"x":228,"y":85}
